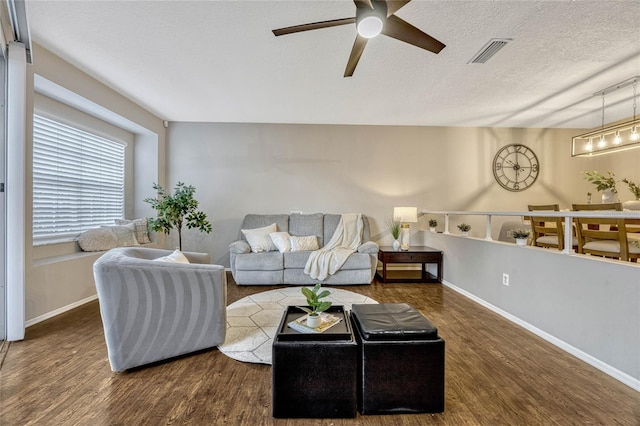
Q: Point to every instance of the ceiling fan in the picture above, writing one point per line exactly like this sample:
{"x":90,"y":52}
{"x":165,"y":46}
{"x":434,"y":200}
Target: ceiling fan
{"x":372,"y":18}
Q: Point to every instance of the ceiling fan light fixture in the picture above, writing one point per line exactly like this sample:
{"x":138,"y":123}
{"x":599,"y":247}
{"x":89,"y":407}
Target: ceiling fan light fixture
{"x":370,"y":26}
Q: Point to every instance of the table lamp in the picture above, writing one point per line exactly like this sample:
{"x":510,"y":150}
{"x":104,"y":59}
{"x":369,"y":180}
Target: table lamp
{"x":405,"y":215}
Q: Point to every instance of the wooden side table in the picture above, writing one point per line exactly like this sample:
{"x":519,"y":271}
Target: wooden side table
{"x":416,"y":254}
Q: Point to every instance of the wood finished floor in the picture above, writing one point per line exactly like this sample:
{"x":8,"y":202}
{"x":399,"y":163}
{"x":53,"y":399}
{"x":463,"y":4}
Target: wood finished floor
{"x":496,"y":374}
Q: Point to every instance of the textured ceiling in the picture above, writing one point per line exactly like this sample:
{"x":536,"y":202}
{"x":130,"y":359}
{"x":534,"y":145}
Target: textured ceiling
{"x":218,"y":61}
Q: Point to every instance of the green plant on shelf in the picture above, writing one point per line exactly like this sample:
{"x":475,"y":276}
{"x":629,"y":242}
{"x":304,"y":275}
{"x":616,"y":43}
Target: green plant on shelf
{"x":519,"y":233}
{"x":433,"y":223}
{"x":464,"y":227}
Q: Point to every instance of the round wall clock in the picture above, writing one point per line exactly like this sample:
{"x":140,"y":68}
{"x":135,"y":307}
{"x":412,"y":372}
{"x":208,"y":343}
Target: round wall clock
{"x":515,"y":167}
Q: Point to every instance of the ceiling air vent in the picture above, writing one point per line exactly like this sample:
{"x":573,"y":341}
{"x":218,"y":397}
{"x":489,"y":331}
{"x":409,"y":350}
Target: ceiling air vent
{"x":488,"y":50}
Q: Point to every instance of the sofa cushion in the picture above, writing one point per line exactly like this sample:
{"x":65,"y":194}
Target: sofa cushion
{"x":298,"y":260}
{"x":259,"y":238}
{"x":331,"y":223}
{"x":302,"y":225}
{"x":252,"y":221}
{"x":268,"y":261}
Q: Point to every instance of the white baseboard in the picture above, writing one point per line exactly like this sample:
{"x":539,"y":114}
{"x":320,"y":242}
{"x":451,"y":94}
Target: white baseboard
{"x":623,"y":377}
{"x":59,"y":311}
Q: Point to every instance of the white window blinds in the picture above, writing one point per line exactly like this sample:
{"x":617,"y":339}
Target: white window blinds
{"x":78,"y":180}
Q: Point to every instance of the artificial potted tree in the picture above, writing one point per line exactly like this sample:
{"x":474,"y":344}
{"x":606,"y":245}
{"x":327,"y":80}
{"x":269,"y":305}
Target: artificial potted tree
{"x":316,"y":306}
{"x":432,"y":225}
{"x":521,"y":235}
{"x":464,"y":229}
{"x":606,"y":184}
{"x":177,"y":209}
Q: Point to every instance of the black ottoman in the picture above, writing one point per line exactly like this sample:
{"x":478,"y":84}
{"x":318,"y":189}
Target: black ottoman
{"x":400,"y":362}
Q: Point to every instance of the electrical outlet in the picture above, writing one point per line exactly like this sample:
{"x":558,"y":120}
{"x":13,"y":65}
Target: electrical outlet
{"x":505,"y":279}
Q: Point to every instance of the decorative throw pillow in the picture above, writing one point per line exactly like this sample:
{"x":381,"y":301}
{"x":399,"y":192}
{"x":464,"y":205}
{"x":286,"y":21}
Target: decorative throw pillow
{"x":259,"y":238}
{"x":176,"y":257}
{"x":125,"y":234}
{"x":281,"y":241}
{"x":142,"y":228}
{"x":304,"y":243}
{"x":98,"y":239}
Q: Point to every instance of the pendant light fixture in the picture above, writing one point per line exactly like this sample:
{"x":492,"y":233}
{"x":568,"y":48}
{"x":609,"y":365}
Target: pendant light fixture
{"x":615,"y":137}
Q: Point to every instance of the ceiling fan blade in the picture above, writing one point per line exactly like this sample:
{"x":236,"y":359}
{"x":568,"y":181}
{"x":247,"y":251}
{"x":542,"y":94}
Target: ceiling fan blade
{"x":313,"y":26}
{"x":404,"y":31}
{"x":363,"y":3}
{"x":356,"y":52}
{"x":394,"y":5}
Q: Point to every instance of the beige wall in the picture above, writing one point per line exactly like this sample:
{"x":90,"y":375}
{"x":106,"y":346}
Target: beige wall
{"x":266,"y":168}
{"x":56,"y":276}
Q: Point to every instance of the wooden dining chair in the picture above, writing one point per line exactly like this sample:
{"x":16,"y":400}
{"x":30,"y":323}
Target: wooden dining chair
{"x":610,"y":238}
{"x":548,"y":231}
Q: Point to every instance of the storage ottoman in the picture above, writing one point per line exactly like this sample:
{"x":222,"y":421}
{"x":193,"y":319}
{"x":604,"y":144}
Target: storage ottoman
{"x":400,"y":360}
{"x":314,"y":375}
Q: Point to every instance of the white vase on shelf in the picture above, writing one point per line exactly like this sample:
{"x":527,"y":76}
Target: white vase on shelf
{"x":432,"y":229}
{"x":464,"y":233}
{"x":521,"y":241}
{"x":608,"y":196}
{"x":396,"y":245}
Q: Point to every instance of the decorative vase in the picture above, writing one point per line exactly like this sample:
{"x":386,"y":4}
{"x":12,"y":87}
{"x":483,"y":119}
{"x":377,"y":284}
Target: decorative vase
{"x":396,"y":245}
{"x":314,"y":321}
{"x":464,"y":233}
{"x":432,"y":229}
{"x":608,"y":196}
{"x":631,"y":205}
{"x":521,"y":241}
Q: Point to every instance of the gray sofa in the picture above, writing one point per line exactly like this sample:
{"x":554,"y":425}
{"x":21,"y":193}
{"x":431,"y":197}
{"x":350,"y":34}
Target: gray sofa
{"x":273,"y":267}
{"x":153,"y":310}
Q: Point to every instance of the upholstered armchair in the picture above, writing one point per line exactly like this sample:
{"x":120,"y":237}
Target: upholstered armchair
{"x":153,"y":310}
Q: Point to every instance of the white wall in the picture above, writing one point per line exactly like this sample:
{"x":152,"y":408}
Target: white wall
{"x":266,"y":168}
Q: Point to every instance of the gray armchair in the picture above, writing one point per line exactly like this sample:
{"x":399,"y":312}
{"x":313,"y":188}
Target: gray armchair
{"x":152,"y":310}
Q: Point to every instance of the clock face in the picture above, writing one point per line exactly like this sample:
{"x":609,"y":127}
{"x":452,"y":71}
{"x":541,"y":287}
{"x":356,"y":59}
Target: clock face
{"x":515,"y":167}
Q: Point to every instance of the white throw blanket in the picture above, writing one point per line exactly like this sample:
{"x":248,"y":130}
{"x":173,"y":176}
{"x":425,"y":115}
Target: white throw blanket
{"x":345,"y":241}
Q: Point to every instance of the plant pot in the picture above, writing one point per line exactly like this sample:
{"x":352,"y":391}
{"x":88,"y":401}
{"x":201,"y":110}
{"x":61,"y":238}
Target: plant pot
{"x":608,"y":196}
{"x":464,"y":233}
{"x":314,"y":321}
{"x":396,"y":245}
{"x":432,"y":229}
{"x":631,"y":205}
{"x":521,"y":241}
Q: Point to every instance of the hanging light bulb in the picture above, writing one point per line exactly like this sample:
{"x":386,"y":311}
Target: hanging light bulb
{"x":617,"y":139}
{"x":589,"y":145}
{"x":634,"y":134}
{"x":602,"y":143}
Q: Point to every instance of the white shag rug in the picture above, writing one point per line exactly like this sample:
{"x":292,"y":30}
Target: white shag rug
{"x":252,"y":321}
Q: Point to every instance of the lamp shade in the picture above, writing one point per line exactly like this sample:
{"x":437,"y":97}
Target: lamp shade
{"x":406,"y":214}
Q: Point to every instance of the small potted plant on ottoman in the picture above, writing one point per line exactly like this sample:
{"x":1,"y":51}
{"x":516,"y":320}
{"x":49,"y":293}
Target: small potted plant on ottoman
{"x":316,"y":306}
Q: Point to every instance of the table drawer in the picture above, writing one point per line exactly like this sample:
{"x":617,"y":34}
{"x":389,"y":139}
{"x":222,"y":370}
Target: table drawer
{"x":409,"y":257}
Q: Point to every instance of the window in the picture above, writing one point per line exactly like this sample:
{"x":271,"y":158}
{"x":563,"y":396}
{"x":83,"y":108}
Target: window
{"x":78,"y":180}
